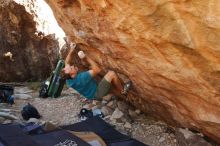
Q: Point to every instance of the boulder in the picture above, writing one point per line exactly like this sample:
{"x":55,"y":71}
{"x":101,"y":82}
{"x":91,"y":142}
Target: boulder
{"x":107,"y":97}
{"x":106,"y":110}
{"x":188,"y":138}
{"x":117,"y":114}
{"x":170,"y":50}
{"x":122,"y":106}
{"x":127,"y":125}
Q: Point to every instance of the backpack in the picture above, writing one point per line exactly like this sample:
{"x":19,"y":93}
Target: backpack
{"x":53,"y":86}
{"x":44,"y":89}
{"x":29,"y":111}
{"x":6,"y":94}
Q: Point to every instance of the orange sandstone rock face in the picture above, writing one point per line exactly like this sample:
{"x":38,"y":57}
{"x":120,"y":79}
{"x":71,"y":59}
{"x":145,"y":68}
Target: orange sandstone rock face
{"x":170,"y":49}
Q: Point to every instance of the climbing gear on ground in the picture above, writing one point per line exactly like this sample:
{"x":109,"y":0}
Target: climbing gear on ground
{"x":44,"y":89}
{"x":56,"y":82}
{"x":53,"y":86}
{"x":29,"y":111}
{"x":33,"y":128}
{"x":98,"y":112}
{"x":12,"y":135}
{"x":85,"y":114}
{"x":6,"y":94}
{"x":10,"y":99}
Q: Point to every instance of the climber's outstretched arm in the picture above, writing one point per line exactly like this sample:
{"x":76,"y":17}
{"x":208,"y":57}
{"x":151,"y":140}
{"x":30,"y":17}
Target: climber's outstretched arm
{"x":69,"y":56}
{"x":95,"y":69}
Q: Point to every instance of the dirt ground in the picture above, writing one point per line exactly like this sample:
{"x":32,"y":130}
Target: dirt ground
{"x":65,"y":109}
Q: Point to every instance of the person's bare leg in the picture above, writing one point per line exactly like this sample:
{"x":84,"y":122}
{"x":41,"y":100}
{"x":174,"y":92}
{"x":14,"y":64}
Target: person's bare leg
{"x":113,"y":78}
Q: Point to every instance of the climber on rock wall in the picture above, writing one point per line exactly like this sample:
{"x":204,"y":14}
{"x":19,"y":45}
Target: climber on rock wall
{"x":84,"y":82}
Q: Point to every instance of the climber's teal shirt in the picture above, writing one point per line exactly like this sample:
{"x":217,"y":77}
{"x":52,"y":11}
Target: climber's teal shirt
{"x":84,"y":84}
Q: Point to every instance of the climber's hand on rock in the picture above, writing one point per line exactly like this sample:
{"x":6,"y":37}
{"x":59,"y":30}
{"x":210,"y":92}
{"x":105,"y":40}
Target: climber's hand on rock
{"x":81,"y":54}
{"x":72,"y":46}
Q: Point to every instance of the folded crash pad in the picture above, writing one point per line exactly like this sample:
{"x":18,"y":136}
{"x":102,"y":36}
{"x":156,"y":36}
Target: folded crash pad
{"x":111,"y":136}
{"x":14,"y":135}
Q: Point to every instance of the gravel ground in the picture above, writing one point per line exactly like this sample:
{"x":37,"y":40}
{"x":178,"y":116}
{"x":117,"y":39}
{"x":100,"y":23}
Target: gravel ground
{"x":65,"y":110}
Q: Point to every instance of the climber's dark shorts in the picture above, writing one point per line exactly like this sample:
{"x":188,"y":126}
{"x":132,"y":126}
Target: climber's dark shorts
{"x":103,"y":89}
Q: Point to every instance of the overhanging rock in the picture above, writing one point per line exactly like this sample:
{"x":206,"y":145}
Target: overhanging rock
{"x":169,"y":49}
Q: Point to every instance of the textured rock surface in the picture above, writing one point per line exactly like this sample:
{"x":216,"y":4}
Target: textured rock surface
{"x":25,"y":52}
{"x":170,"y":49}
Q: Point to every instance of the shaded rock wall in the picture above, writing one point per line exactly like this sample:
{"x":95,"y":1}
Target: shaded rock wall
{"x":34,"y":55}
{"x":170,"y":49}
